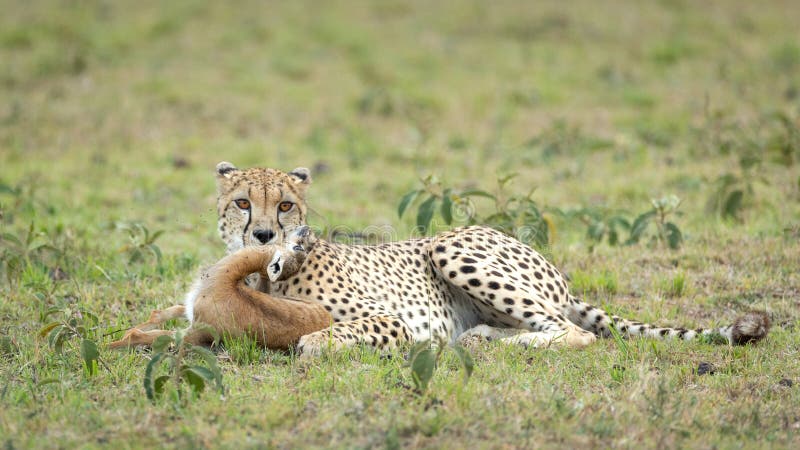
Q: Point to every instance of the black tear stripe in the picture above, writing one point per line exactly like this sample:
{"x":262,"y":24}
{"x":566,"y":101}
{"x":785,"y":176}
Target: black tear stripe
{"x":244,"y":232}
{"x":249,"y":217}
{"x":278,"y":212}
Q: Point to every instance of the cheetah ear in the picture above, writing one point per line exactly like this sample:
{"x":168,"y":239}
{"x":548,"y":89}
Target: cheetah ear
{"x":301,"y":175}
{"x":225,"y":169}
{"x":275,"y":266}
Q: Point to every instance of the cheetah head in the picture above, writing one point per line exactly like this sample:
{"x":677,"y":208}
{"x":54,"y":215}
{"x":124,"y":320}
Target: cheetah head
{"x":259,"y":206}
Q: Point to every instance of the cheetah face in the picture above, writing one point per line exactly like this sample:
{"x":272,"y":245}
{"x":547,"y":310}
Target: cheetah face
{"x":259,"y":206}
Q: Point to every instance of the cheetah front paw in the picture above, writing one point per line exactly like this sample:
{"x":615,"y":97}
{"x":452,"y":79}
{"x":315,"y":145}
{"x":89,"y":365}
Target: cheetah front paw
{"x":312,"y":345}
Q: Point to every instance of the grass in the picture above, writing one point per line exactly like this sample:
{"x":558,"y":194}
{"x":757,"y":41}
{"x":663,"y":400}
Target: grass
{"x":592,"y":285}
{"x":113,"y":115}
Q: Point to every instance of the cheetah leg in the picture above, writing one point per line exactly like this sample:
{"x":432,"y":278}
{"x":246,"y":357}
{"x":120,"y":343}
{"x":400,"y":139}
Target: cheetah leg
{"x":571,"y":338}
{"x":483,"y":333}
{"x":383,"y":332}
{"x":510,"y":284}
{"x":554,"y":336}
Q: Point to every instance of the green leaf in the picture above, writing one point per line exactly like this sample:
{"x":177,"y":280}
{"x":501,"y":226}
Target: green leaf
{"x":197,"y":376}
{"x":613,"y":237}
{"x":425,"y":214}
{"x":7,"y":189}
{"x":12,"y":238}
{"x":477,"y":193}
{"x":156,"y":251}
{"x":466,"y":361}
{"x":54,"y":332}
{"x":213,"y":371}
{"x":90,"y":356}
{"x":502,"y":181}
{"x":416,"y":348}
{"x":45,"y":330}
{"x":447,"y":207}
{"x":47,"y":381}
{"x":639,"y":226}
{"x":89,"y":350}
{"x":149,"y":386}
{"x":422,"y":368}
{"x":727,"y":180}
{"x":50,"y":312}
{"x":155,"y":236}
{"x":674,"y":235}
{"x":161,"y":343}
{"x":208,"y":356}
{"x":596,"y":231}
{"x":499,"y":219}
{"x":178,"y":337}
{"x":619,"y":220}
{"x":90,"y":316}
{"x":160,"y":383}
{"x":204,"y":372}
{"x":56,"y":338}
{"x":733,"y":203}
{"x":406,"y":200}
{"x":37,"y":243}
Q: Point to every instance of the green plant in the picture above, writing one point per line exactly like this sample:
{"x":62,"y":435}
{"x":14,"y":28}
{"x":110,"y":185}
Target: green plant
{"x":74,"y":325}
{"x":24,"y":200}
{"x":141,"y":241}
{"x":243,"y":350}
{"x":515,"y":215}
{"x":733,"y":191}
{"x":674,"y":286}
{"x":423,"y":359}
{"x":18,"y":250}
{"x":666,"y":232}
{"x":521,"y":216}
{"x":179,"y":370}
{"x":783,"y":141}
{"x":773,"y":137}
{"x":602,"y":224}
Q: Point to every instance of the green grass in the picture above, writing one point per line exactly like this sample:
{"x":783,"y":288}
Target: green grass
{"x":113,"y":114}
{"x":593,"y":284}
{"x":674,"y":286}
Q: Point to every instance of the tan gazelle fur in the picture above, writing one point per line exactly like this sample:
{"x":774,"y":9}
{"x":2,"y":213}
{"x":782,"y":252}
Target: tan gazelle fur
{"x":221,"y":300}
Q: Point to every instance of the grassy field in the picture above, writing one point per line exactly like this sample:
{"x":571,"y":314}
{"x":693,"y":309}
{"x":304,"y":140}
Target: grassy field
{"x":113,"y":115}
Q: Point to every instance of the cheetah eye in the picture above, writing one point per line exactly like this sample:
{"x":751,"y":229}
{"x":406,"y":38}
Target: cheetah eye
{"x":285,"y":206}
{"x":242,"y":203}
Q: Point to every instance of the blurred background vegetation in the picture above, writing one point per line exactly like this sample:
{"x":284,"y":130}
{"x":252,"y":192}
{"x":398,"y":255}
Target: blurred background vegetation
{"x":120,"y":111}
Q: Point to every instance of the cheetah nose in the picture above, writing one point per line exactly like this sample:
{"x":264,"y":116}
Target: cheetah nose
{"x":263,"y":236}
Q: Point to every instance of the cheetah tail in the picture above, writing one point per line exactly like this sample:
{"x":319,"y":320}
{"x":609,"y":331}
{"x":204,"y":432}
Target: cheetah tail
{"x":750,"y":327}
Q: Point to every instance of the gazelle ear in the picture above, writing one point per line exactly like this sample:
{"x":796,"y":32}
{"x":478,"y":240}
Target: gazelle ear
{"x":225,"y":169}
{"x":301,"y":175}
{"x":275,"y":266}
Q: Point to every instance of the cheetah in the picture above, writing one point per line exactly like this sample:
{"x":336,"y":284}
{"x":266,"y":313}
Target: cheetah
{"x":469,"y":283}
{"x":221,"y":300}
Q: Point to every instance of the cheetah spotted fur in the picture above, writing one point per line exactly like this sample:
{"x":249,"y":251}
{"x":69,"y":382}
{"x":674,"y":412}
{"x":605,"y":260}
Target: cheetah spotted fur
{"x":464,"y":284}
